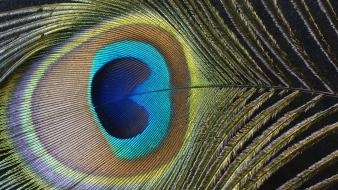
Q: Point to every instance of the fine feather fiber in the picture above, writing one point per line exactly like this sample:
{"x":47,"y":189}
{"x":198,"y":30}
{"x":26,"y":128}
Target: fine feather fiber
{"x":166,"y":94}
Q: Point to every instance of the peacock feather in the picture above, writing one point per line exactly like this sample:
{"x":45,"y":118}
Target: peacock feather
{"x":146,"y":94}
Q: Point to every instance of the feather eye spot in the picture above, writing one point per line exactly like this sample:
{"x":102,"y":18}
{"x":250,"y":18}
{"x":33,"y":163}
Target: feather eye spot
{"x":114,"y":90}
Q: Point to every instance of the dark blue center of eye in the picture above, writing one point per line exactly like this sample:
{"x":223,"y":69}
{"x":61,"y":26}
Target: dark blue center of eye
{"x":112,"y":87}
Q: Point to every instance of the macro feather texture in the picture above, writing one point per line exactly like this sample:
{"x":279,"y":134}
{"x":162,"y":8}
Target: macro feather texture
{"x":211,"y":94}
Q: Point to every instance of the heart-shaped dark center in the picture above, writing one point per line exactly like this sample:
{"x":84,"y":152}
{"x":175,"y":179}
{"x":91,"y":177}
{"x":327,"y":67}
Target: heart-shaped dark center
{"x":112,"y":86}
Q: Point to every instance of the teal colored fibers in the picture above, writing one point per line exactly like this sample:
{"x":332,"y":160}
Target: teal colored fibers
{"x":157,"y":104}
